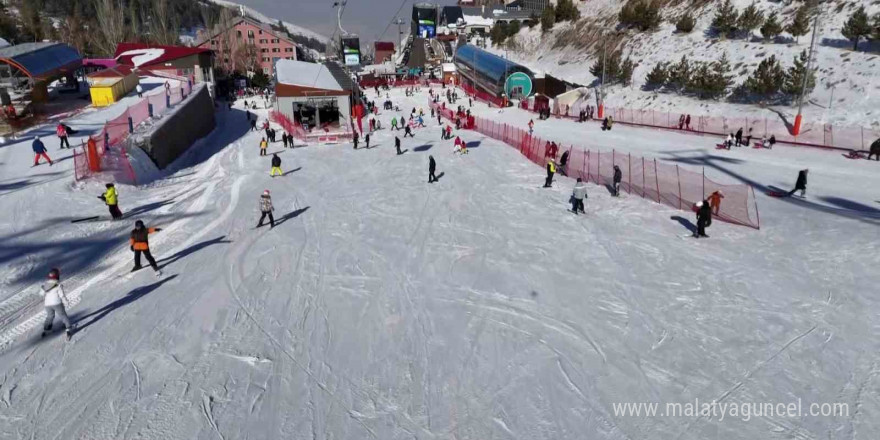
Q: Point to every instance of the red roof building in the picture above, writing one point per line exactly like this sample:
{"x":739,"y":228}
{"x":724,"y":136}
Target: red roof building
{"x":383,"y":51}
{"x":192,"y":63}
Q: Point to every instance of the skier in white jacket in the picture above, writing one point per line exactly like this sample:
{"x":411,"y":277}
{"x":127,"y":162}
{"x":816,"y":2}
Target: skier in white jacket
{"x":577,"y":196}
{"x":53,"y":302}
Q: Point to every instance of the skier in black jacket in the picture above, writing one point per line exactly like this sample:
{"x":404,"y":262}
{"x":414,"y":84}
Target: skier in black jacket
{"x":356,"y":138}
{"x":739,"y":137}
{"x":875,"y":150}
{"x":397,"y":144}
{"x":432,"y":166}
{"x":563,"y":162}
{"x":618,"y":176}
{"x":801,"y":184}
{"x":704,"y":218}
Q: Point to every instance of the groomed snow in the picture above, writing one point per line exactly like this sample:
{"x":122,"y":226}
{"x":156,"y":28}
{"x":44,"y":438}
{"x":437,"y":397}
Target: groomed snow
{"x":474,"y":308}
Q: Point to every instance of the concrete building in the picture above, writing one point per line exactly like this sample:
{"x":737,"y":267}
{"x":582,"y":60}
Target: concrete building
{"x":248,"y":38}
{"x":313,"y":96}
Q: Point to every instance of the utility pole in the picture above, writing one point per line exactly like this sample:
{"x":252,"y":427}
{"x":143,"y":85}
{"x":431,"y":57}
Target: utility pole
{"x":601,"y":110}
{"x":798,"y":119}
{"x":399,"y":22}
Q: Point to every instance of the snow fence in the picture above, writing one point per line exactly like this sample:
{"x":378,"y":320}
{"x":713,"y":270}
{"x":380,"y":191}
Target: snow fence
{"x":648,"y":178}
{"x":108,"y":155}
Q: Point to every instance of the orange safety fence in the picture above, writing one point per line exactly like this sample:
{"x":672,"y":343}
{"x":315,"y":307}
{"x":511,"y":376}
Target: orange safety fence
{"x":648,"y":178}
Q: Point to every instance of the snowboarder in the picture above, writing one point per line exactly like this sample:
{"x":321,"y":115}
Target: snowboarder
{"x":40,"y":150}
{"x":266,"y":209}
{"x":61,"y":132}
{"x":618,"y":176}
{"x":738,"y":137}
{"x":578,"y":194}
{"x":355,"y":139}
{"x":704,"y":218}
{"x":141,"y":245}
{"x":53,"y":303}
{"x":551,"y":169}
{"x":408,"y":132}
{"x":875,"y":150}
{"x":563,"y":162}
{"x":263,"y":146}
{"x":801,"y":184}
{"x":110,"y":197}
{"x":276,"y":166}
{"x":432,"y":166}
{"x":715,"y":201}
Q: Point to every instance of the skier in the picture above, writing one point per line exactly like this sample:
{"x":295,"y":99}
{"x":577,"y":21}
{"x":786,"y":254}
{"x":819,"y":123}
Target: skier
{"x":61,"y":132}
{"x":460,"y":146}
{"x":110,"y":197}
{"x":367,"y":140}
{"x":551,"y":169}
{"x":141,"y":245}
{"x":577,"y":196}
{"x":394,"y":123}
{"x":284,"y":139}
{"x":408,"y":132}
{"x":801,"y":184}
{"x":439,"y":118}
{"x":254,"y":124}
{"x":421,"y":121}
{"x":40,"y":150}
{"x":247,"y":114}
{"x":355,"y":139}
{"x":681,"y":122}
{"x":729,"y":141}
{"x":263,"y":146}
{"x":266,"y":209}
{"x":715,"y":201}
{"x":397,"y":145}
{"x":875,"y":150}
{"x":618,"y":175}
{"x":448,"y":131}
{"x":739,"y":137}
{"x":563,"y":162}
{"x":704,"y":218}
{"x":140,"y":91}
{"x":531,"y":126}
{"x":771,"y":141}
{"x":276,"y":166}
{"x":432,"y":166}
{"x":53,"y":302}
{"x":748,"y":140}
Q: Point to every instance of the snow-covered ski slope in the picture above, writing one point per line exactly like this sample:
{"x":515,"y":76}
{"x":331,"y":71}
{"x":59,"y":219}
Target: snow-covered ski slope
{"x":474,"y":308}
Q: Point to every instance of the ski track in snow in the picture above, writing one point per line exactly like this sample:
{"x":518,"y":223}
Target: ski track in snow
{"x":476,"y":307}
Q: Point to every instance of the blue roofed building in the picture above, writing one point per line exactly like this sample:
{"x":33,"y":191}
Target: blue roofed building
{"x":35,"y":65}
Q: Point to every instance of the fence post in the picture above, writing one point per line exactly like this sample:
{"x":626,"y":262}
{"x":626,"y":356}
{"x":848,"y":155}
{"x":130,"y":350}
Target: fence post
{"x":106,"y":139}
{"x":150,"y":109}
{"x":643,"y":177}
{"x":704,"y":182}
{"x":678,"y":176}
{"x":130,"y":125}
{"x":862,"y":130}
{"x":657,"y":180}
{"x":598,"y":167}
{"x":167,"y":100}
{"x":630,"y":176}
{"x":585,"y":166}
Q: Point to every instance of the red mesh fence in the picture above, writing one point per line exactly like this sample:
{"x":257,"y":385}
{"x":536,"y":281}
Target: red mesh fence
{"x":663,"y":183}
{"x":480,"y":95}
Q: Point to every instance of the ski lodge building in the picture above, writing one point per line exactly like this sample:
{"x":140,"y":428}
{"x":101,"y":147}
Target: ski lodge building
{"x":317,"y":96}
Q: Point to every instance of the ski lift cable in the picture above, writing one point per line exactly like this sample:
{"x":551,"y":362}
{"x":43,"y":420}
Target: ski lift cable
{"x":393,"y":17}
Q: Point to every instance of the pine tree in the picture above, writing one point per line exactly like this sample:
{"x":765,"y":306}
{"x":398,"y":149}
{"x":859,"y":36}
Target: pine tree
{"x":857,"y":27}
{"x":566,"y":11}
{"x":548,"y":18}
{"x":751,"y":18}
{"x":612,"y":68}
{"x":685,"y":23}
{"x":720,"y":79}
{"x":498,"y":33}
{"x":513,"y":28}
{"x":725,"y":19}
{"x":771,"y":28}
{"x":679,"y":74}
{"x":800,"y":24}
{"x":794,"y":78}
{"x":533,"y":20}
{"x":767,"y":79}
{"x":699,"y":79}
{"x":657,"y":76}
{"x":648,"y":13}
{"x":625,"y":73}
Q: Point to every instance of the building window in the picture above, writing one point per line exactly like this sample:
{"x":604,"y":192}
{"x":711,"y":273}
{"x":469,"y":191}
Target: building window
{"x":275,"y":50}
{"x":239,"y":34}
{"x":263,"y":41}
{"x":288,"y":49}
{"x":260,"y":31}
{"x":264,"y":50}
{"x":276,"y":40}
{"x":213,"y":42}
{"x":266,"y":70}
{"x":265,"y":59}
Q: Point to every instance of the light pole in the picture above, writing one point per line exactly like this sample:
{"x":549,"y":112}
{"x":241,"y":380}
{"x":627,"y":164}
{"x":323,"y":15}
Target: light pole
{"x":796,"y":130}
{"x":601,"y":110}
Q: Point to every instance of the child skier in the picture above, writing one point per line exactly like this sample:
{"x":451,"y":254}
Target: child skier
{"x":704,"y":218}
{"x":394,"y":123}
{"x":276,"y":166}
{"x":53,"y":303}
{"x":618,"y":176}
{"x":40,"y":150}
{"x":266,"y":209}
{"x":61,"y":132}
{"x":578,"y":194}
{"x":110,"y":197}
{"x":141,"y":245}
{"x":263,"y":146}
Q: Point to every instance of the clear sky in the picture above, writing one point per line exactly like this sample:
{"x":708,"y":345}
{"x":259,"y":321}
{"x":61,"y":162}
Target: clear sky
{"x":367,"y":18}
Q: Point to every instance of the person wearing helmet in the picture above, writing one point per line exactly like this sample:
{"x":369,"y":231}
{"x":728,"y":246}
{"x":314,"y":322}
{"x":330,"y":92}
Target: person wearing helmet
{"x":551,"y":169}
{"x":704,"y":218}
{"x":141,"y":245}
{"x":618,"y":176}
{"x":53,"y":303}
{"x":111,"y":198}
{"x":266,"y":209}
{"x":40,"y":150}
{"x":578,"y":194}
{"x":61,"y":132}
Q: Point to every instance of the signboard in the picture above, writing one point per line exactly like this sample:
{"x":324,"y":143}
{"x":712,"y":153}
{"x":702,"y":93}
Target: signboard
{"x":427,"y":29}
{"x":351,"y":51}
{"x":518,"y":85}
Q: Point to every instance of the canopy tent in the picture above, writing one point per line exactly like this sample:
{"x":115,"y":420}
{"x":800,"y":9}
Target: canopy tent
{"x":572,"y":102}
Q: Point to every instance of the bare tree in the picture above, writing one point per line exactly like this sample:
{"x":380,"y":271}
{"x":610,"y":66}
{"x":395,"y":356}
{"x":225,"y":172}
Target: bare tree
{"x":111,"y":26}
{"x":164,"y":24}
{"x":74,"y":31}
{"x":230,"y":46}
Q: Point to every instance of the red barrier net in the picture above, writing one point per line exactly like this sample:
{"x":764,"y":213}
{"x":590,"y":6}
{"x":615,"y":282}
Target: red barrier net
{"x":319,"y":136}
{"x":663,"y":183}
{"x":111,"y":158}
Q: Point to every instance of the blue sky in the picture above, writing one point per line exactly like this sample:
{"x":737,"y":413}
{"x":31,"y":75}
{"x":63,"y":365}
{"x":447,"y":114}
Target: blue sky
{"x":367,"y":18}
